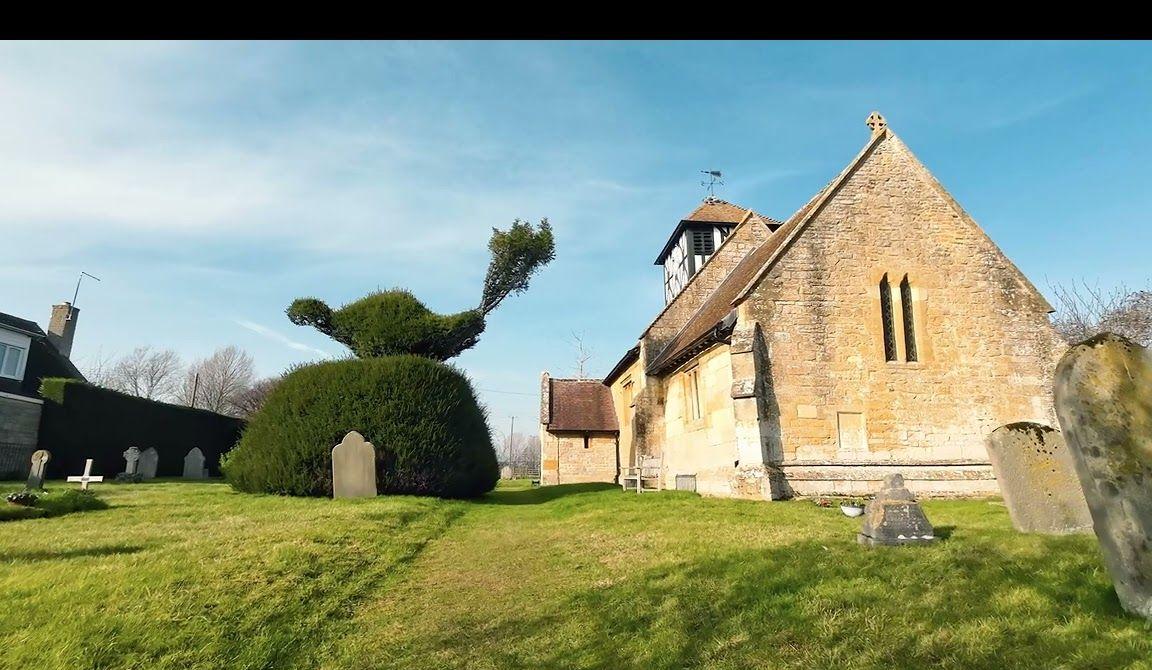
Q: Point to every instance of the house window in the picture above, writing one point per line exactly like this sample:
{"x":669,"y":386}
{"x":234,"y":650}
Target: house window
{"x":909,"y":322}
{"x":703,"y":243}
{"x":692,"y":379}
{"x":586,"y":440}
{"x":886,"y":318}
{"x":11,"y":361}
{"x":628,"y":394}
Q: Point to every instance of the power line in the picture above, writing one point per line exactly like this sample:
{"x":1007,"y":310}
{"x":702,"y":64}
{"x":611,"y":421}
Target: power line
{"x":507,"y":392}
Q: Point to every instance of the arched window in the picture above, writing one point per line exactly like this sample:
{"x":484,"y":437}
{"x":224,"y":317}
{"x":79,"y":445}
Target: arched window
{"x":909,"y":321}
{"x":886,"y":318}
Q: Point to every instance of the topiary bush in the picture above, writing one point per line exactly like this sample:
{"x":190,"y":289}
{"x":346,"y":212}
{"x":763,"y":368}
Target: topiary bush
{"x":430,"y":433}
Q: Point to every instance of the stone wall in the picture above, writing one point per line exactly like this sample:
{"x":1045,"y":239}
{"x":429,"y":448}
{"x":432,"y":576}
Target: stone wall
{"x":986,"y":351}
{"x":564,"y":458}
{"x":626,"y":410}
{"x":705,"y":447}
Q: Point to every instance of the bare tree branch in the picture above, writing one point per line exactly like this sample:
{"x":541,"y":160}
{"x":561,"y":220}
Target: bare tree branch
{"x":583,"y":355}
{"x":216,"y":383}
{"x":148,"y":373}
{"x":1084,"y":310}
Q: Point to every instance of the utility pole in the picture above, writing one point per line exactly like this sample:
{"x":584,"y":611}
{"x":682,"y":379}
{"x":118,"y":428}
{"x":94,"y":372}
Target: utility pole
{"x":195,"y":388}
{"x":511,"y":430}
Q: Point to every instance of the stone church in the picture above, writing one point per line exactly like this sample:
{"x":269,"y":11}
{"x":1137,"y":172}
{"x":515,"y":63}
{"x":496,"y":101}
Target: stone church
{"x":876,"y":330}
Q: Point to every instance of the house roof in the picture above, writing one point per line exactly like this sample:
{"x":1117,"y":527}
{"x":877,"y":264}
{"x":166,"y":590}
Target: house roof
{"x":23,"y":325}
{"x":711,"y":211}
{"x":623,"y":364}
{"x":44,"y":360}
{"x":747,"y":273}
{"x":581,"y":405}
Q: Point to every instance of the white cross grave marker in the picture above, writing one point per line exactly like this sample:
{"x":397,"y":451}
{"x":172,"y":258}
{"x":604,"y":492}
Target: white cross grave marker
{"x":86,"y":477}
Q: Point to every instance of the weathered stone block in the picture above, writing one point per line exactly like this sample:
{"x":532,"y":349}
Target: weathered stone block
{"x":1038,"y":479}
{"x":894,"y":517}
{"x":1104,"y":403}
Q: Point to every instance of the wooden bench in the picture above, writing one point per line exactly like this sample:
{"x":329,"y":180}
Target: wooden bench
{"x":646,"y":475}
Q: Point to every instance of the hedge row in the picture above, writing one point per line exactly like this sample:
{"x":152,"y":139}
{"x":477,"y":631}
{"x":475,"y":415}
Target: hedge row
{"x":80,"y":421}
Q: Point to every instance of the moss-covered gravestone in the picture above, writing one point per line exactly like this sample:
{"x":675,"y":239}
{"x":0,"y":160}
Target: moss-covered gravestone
{"x":1038,"y":479}
{"x":894,"y":517}
{"x":1104,"y":403}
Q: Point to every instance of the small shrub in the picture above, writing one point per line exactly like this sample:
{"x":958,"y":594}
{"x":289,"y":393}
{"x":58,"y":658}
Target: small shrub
{"x":23,"y":498}
{"x":430,"y":434}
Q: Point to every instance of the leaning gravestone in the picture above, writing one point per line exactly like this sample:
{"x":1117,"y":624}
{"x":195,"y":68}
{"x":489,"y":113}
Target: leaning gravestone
{"x":1038,"y":479}
{"x":149,"y":461}
{"x":894,"y":517}
{"x":194,"y":464}
{"x":353,"y":468}
{"x":40,"y":459}
{"x":1104,"y":403}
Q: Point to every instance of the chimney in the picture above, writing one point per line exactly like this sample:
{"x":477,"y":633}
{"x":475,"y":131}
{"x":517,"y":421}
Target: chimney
{"x":62,"y":327}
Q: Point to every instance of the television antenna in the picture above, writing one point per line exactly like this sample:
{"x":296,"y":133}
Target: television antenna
{"x":76,"y":293}
{"x":712,"y":179}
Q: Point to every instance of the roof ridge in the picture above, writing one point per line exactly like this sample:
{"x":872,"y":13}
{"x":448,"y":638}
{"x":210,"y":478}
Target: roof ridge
{"x":711,"y":200}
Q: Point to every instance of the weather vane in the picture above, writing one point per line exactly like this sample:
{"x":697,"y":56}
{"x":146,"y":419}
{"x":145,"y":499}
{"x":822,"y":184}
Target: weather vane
{"x":713,"y":179}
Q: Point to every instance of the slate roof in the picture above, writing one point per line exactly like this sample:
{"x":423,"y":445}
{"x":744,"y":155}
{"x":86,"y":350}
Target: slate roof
{"x":581,"y":405}
{"x":23,"y":325}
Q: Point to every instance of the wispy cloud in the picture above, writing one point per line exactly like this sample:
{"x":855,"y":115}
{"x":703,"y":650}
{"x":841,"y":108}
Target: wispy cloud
{"x":280,"y":338}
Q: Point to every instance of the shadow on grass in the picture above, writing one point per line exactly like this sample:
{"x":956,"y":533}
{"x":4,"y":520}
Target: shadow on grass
{"x":542,"y":494}
{"x":65,"y":554}
{"x":813,"y":604}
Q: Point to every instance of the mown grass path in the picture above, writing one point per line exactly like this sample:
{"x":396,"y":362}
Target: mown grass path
{"x":194,"y":576}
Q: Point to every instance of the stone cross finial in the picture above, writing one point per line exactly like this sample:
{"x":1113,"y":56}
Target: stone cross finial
{"x":876,"y":122}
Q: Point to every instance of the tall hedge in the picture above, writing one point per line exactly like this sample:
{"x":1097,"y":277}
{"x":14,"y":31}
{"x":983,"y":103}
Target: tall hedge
{"x":430,"y":433}
{"x":80,"y":421}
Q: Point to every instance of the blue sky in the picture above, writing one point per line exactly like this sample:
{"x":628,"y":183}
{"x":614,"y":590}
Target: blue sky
{"x":210,"y":184}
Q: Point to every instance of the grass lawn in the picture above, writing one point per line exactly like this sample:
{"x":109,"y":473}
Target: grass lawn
{"x":192,"y":575}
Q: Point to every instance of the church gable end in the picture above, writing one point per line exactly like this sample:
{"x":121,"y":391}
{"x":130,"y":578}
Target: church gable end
{"x":961,"y":343}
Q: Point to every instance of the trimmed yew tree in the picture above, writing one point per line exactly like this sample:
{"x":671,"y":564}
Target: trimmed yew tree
{"x":430,"y":433}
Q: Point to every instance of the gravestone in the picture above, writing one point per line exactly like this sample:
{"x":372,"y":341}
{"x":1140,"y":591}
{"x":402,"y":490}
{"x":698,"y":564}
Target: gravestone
{"x":1038,"y":479}
{"x":194,"y":464}
{"x":86,"y":477}
{"x":131,"y":458}
{"x":149,"y":461}
{"x":40,"y":459}
{"x":1104,"y":403}
{"x":894,"y":517}
{"x":353,"y":468}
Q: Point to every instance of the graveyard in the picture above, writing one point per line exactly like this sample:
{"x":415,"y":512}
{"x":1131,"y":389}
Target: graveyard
{"x":855,"y":433}
{"x":190,"y":574}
